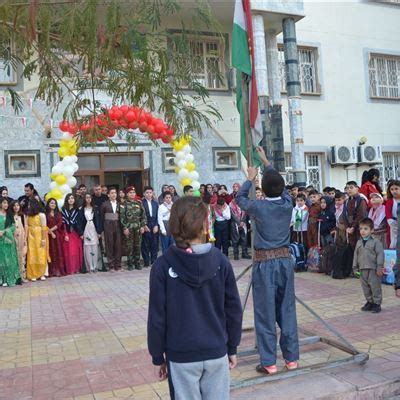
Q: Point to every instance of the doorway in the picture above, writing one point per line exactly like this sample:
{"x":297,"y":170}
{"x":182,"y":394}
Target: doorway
{"x":113,"y":169}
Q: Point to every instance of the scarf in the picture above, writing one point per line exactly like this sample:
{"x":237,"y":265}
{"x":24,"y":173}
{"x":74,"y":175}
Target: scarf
{"x":298,"y":218}
{"x":235,"y":209}
{"x":377,"y":215}
{"x":69,"y":217}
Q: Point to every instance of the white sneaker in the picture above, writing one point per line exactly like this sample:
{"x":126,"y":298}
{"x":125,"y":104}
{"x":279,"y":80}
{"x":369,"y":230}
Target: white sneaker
{"x":4,"y":284}
{"x":43,"y":278}
{"x":33,"y":280}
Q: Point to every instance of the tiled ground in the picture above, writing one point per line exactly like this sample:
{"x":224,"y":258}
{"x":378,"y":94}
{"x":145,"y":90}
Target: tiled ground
{"x":84,"y":337}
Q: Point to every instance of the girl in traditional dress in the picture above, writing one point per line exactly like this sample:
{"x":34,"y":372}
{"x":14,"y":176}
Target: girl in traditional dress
{"x":38,"y":244}
{"x":377,"y":214}
{"x":56,"y":239}
{"x":393,"y":200}
{"x":121,"y":196}
{"x":90,"y":228}
{"x":20,"y":237}
{"x":9,"y":268}
{"x":73,"y":252}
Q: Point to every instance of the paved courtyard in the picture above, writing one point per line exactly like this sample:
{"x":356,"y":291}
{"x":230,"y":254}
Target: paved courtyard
{"x":84,"y":337}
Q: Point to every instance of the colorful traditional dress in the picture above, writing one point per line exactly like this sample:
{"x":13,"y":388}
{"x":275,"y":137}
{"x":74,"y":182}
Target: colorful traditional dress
{"x":57,"y":264}
{"x":20,"y":241}
{"x":73,"y":252}
{"x":9,"y":268}
{"x":38,"y":255}
{"x":91,"y":249}
{"x":312,"y":232}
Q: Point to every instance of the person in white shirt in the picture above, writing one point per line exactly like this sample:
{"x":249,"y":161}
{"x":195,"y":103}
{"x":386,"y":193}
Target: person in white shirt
{"x":164,"y":212}
{"x":221,"y":225}
{"x":150,"y":236}
{"x":299,"y":222}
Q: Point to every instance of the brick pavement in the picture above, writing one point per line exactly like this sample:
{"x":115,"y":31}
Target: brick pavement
{"x":84,"y":337}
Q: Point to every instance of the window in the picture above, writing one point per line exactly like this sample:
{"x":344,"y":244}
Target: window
{"x":206,"y":57}
{"x":22,"y":163}
{"x":308,"y":70}
{"x":313,"y":169}
{"x":391,"y":167}
{"x":384,"y":76}
{"x":8,"y":74}
{"x":226,"y":159}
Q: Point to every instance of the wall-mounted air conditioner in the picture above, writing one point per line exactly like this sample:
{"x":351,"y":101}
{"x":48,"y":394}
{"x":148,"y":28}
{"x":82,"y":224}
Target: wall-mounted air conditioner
{"x":343,"y":155}
{"x":369,"y":154}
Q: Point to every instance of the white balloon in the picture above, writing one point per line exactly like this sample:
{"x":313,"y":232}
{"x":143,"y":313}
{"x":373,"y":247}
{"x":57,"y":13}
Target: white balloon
{"x":68,"y":171}
{"x":180,"y":155}
{"x":65,"y":188}
{"x":71,"y":181}
{"x":53,"y":185}
{"x":67,"y":160}
{"x":189,"y":158}
{"x":56,"y":170}
{"x":74,"y":159}
{"x":196,"y":185}
{"x":184,"y":173}
{"x":75,"y":167}
{"x":67,"y":136}
{"x":181,"y":164}
{"x":187,"y":149}
{"x":194,"y":175}
{"x":60,"y":203}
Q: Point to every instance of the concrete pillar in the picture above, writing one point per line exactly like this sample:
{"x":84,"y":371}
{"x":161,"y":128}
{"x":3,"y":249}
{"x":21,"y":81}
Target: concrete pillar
{"x":294,"y":103}
{"x":274,"y":87}
{"x":260,"y":59}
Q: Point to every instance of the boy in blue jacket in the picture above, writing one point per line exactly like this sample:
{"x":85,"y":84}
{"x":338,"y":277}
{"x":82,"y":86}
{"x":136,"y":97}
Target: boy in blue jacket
{"x":273,"y":269}
{"x":195,"y":314}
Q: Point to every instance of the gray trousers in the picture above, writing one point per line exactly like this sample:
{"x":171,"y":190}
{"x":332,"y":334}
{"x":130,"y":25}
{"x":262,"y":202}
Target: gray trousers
{"x":274,"y":303}
{"x":371,"y":285}
{"x":203,"y":380}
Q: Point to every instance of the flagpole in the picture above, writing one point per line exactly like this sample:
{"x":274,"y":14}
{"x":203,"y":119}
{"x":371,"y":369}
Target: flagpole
{"x":246,"y":116}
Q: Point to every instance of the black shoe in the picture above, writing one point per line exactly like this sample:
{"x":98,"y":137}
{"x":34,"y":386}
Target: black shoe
{"x":139,"y":267}
{"x":376,"y":308}
{"x":246,"y":256}
{"x":236,"y":257}
{"x":130,"y":268}
{"x":367,"y":306}
{"x":146,"y":265}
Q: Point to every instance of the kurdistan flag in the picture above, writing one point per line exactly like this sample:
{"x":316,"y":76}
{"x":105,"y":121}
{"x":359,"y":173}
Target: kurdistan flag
{"x":243,"y":61}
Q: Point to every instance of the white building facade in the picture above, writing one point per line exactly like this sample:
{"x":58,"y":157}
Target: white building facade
{"x":349,"y":58}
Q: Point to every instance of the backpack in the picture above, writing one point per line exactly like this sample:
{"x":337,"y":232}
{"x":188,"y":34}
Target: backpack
{"x":342,"y":261}
{"x":327,"y":257}
{"x":388,"y":274}
{"x":314,"y":254}
{"x":298,"y":252}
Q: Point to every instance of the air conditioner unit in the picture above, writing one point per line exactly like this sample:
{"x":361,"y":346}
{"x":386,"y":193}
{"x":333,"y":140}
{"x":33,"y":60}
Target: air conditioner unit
{"x":343,"y":155}
{"x":369,"y":154}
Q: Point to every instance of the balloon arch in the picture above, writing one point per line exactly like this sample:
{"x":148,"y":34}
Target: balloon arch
{"x":106,"y":125}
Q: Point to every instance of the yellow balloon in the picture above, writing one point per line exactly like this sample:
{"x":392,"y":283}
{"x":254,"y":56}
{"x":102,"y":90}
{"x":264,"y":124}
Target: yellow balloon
{"x":52,"y":176}
{"x":191,"y":166}
{"x":56,"y":193}
{"x":48,"y":196}
{"x":177,"y":146}
{"x":61,"y":179}
{"x":185,"y":182}
{"x":177,"y":170}
{"x":62,"y":152}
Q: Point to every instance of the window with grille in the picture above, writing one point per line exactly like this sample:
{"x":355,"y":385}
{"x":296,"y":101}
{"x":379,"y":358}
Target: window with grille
{"x":313,"y":169}
{"x":308,"y":69}
{"x":8,"y":74}
{"x":391,"y":167}
{"x":384,"y":76}
{"x":205,"y":58}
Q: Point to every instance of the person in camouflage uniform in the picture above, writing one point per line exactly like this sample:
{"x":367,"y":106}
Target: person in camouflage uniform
{"x":133,"y":220}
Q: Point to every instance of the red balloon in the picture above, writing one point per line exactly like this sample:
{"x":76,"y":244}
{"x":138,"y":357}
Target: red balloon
{"x":118,"y":114}
{"x":133,"y":125}
{"x":111,"y":114}
{"x":141,"y":117}
{"x":149,"y":118}
{"x":160,"y":127}
{"x":111,"y":133}
{"x":166,"y":139}
{"x":143,"y":126}
{"x":64,"y":126}
{"x":123,"y":123}
{"x":124,"y":109}
{"x":85,"y":127}
{"x":170,"y":132}
{"x":150,"y":129}
{"x":72,"y":129}
{"x":130,"y":116}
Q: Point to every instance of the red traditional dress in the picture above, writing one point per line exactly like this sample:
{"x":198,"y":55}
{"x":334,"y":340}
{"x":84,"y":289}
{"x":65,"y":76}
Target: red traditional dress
{"x":57,"y":264}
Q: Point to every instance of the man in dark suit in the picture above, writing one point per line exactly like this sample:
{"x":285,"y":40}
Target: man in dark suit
{"x":150,"y":235}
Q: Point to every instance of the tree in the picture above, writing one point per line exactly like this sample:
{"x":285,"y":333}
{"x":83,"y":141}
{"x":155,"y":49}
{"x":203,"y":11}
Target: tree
{"x":122,"y":48}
